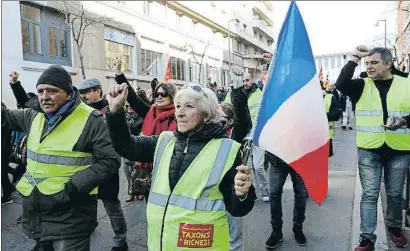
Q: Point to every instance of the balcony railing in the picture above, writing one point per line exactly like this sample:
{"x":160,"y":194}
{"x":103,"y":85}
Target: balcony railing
{"x":263,"y":28}
{"x":260,"y":9}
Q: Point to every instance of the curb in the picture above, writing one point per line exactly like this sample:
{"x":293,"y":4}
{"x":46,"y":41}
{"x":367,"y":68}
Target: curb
{"x":381,"y":243}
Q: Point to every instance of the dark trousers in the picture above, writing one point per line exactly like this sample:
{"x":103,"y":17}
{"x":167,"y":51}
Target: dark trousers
{"x":279,"y":171}
{"x":6,"y":184}
{"x":79,"y":244}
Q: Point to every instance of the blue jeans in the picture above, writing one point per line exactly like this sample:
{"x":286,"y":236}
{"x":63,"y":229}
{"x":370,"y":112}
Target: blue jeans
{"x":235,"y":233}
{"x":371,"y":163}
{"x":278,"y":173}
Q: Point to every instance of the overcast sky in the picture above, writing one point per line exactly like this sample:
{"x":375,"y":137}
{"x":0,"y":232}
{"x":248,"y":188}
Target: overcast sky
{"x":338,"y":26}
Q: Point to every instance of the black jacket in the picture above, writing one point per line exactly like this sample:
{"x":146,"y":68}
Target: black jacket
{"x":142,"y":149}
{"x":136,"y":103}
{"x":243,"y":122}
{"x":72,"y":212}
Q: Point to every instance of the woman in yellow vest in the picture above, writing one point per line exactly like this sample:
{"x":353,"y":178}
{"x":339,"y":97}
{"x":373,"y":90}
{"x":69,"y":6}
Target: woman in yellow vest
{"x":197,"y":178}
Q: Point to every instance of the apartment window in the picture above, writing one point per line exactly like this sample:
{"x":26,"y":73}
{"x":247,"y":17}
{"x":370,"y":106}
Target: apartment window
{"x":114,"y":51}
{"x":118,"y":44}
{"x":326,"y":66}
{"x":45,"y":35}
{"x":177,"y":68}
{"x":147,"y":7}
{"x":194,"y":73}
{"x":213,"y":74}
{"x":151,"y":63}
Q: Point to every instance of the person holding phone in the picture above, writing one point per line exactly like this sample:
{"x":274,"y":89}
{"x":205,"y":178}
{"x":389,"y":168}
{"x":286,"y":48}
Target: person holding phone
{"x":382,"y":102}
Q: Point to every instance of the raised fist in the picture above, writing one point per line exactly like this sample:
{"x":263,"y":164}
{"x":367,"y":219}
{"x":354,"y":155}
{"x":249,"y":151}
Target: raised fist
{"x":236,"y":77}
{"x":361,"y":51}
{"x":13,"y":77}
{"x":117,"y":96}
{"x":118,"y":65}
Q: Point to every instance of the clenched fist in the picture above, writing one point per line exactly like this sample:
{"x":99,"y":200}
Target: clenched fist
{"x":116,"y":97}
{"x":361,"y":51}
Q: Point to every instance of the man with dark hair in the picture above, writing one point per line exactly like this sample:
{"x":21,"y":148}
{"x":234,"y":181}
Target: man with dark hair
{"x":383,"y":139}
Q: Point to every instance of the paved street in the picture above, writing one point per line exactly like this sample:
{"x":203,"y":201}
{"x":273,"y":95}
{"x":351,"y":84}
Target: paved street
{"x":328,"y":227}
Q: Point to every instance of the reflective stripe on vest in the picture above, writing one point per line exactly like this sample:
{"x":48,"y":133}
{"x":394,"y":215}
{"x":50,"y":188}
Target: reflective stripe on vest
{"x":197,"y":206}
{"x":52,"y":162}
{"x":254,"y":101}
{"x":228,"y":98}
{"x":369,"y":115}
{"x":328,"y":102}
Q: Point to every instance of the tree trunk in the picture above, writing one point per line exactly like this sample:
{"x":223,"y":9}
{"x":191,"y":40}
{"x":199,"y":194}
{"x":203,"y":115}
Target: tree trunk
{"x":81,"y":61}
{"x":199,"y":75}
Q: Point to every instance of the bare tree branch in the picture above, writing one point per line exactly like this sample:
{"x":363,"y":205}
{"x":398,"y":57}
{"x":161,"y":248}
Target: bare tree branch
{"x":79,"y":21}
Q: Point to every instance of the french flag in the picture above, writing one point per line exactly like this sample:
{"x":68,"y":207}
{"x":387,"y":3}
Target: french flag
{"x":292,"y":122}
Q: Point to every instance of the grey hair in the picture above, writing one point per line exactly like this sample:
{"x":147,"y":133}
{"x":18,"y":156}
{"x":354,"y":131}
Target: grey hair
{"x":205,"y":100}
{"x":385,"y":54}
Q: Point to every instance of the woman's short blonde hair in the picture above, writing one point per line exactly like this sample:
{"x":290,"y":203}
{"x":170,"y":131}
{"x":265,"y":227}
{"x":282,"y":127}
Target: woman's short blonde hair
{"x":204,"y":98}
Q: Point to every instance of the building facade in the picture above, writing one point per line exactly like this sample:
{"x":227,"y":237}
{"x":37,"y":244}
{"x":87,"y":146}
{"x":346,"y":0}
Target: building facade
{"x":332,"y":64}
{"x":201,"y":39}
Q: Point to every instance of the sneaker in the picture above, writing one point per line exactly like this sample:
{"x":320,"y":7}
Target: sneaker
{"x":275,"y":239}
{"x":6,"y":200}
{"x":122,"y":248}
{"x":265,"y":195}
{"x":19,"y":220}
{"x":350,"y":128}
{"x":344,"y":127}
{"x":299,"y":236}
{"x":365,"y":245}
{"x":397,"y":238}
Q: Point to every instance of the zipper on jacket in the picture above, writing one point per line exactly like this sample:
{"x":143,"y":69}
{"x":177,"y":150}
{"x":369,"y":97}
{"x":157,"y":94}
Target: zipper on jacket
{"x":186,"y":146}
{"x":163,"y":223}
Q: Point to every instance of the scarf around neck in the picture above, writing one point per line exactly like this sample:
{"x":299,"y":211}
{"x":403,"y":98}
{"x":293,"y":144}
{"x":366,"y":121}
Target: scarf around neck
{"x":159,"y":119}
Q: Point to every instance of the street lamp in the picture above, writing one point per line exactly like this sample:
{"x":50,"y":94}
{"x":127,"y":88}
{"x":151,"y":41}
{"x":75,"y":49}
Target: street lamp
{"x":229,"y":39}
{"x":385,"y":30}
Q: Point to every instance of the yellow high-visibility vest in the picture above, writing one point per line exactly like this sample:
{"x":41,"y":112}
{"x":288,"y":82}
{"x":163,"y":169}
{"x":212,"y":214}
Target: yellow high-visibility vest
{"x":369,"y":115}
{"x":193,"y":215}
{"x":52,"y":161}
{"x":328,"y":102}
{"x":254,"y":101}
{"x":228,"y":98}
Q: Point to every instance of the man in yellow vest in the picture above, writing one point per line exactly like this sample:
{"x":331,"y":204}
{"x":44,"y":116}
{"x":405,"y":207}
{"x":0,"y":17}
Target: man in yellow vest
{"x":257,"y":159}
{"x":69,"y":154}
{"x":383,"y":139}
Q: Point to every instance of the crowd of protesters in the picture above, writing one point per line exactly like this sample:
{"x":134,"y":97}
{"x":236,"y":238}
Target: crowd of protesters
{"x":184,"y":150}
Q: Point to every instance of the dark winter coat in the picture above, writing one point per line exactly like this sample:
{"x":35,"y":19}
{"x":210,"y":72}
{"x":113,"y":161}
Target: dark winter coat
{"x":243,"y":122}
{"x":72,"y":212}
{"x":143,"y":148}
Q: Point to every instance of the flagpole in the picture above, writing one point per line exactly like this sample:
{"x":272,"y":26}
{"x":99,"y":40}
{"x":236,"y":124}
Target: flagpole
{"x":249,"y":142}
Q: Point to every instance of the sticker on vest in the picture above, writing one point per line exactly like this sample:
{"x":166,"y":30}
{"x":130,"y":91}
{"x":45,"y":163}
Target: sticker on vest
{"x":195,"y":235}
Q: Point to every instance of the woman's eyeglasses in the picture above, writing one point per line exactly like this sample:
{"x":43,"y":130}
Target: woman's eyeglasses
{"x":162,"y":94}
